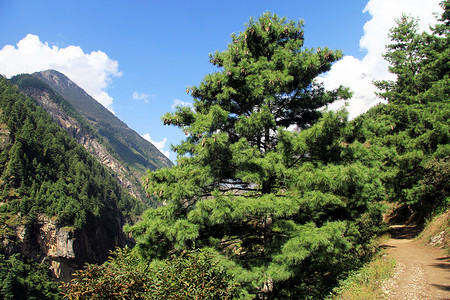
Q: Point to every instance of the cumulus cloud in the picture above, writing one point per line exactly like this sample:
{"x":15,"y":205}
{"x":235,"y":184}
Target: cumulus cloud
{"x":359,"y":74}
{"x":142,"y":96}
{"x":178,"y":102}
{"x":160,"y":145}
{"x":91,"y":71}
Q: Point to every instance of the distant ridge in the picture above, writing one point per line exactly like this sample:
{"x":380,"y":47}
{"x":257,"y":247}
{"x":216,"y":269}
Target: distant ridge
{"x":115,"y":145}
{"x":104,"y":120}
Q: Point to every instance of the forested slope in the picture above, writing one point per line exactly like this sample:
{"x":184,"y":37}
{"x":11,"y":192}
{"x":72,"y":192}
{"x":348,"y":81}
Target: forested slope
{"x":48,"y":180}
{"x":43,"y":170}
{"x":78,"y":127}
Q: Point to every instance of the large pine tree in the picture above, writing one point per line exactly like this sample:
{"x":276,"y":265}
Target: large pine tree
{"x":277,"y":203}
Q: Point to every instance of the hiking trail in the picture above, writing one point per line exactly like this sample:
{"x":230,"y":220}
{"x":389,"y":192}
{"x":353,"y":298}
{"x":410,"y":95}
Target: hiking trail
{"x":422,"y":272}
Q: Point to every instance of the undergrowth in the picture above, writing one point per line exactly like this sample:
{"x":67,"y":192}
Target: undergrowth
{"x":366,"y":283}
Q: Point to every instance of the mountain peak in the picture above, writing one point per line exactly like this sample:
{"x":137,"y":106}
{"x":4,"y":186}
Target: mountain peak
{"x":58,"y":78}
{"x":77,"y":97}
{"x":127,"y":143}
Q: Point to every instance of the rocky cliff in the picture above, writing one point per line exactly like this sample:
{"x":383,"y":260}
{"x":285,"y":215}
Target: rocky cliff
{"x":65,"y":249}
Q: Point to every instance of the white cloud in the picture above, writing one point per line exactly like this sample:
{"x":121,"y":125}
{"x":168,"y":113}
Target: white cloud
{"x":91,"y":71}
{"x":142,"y":96}
{"x":359,"y":74}
{"x":178,"y":102}
{"x":160,"y":145}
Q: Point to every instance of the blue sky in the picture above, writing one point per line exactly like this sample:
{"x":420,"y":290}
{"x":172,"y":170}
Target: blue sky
{"x":137,"y":57}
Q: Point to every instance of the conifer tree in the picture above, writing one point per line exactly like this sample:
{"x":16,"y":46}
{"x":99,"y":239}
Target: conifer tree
{"x":275,"y":202}
{"x":419,"y":60}
{"x":415,"y":124}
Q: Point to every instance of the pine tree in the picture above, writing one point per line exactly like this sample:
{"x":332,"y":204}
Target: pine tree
{"x":405,"y":56}
{"x":419,"y":60}
{"x":264,"y":196}
{"x":414,"y":127}
{"x":15,"y":170}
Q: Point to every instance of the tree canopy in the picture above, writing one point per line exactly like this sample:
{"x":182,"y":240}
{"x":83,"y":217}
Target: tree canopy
{"x":419,"y":60}
{"x":192,"y":275}
{"x":280,"y":204}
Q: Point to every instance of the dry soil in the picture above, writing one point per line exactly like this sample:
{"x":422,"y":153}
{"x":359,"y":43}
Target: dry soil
{"x":422,"y":272}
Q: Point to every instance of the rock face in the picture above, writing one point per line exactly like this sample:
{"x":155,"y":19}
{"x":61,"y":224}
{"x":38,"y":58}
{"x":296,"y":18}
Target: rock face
{"x":54,"y":240}
{"x":66,"y":250}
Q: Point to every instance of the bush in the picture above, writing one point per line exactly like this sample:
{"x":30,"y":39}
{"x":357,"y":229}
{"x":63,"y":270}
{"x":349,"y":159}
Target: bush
{"x":192,"y":275}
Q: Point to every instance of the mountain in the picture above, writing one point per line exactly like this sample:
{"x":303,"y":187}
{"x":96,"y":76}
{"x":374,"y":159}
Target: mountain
{"x":59,"y":206}
{"x":109,"y":139}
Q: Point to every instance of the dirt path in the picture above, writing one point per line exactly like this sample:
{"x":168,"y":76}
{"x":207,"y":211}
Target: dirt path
{"x":421,"y":272}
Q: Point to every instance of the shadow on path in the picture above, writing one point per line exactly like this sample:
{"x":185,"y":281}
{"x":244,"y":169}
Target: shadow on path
{"x":442,"y":287}
{"x":442,"y":262}
{"x":404,"y":232}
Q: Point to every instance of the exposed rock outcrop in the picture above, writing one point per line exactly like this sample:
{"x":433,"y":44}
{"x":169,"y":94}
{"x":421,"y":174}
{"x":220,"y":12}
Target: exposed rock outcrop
{"x":65,"y":249}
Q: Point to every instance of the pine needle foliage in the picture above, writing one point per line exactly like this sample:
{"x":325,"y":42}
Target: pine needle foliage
{"x":413,"y":129}
{"x":283,"y":206}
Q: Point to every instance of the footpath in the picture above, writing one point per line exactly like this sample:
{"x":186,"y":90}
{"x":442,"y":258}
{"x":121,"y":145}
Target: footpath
{"x":422,"y":272}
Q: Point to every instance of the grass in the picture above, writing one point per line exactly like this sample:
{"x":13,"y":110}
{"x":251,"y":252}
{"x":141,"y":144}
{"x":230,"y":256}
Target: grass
{"x":366,"y":283}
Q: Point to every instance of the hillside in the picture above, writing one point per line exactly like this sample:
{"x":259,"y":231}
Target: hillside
{"x":58,"y":205}
{"x":111,"y":141}
{"x":131,"y":147}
